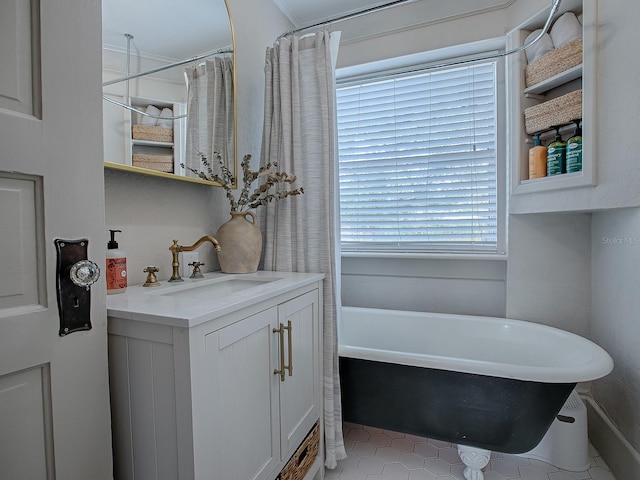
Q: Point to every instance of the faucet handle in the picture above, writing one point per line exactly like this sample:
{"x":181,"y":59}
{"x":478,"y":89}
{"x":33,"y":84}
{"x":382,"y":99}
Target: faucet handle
{"x":196,"y":270}
{"x":175,"y":264}
{"x":152,"y":280}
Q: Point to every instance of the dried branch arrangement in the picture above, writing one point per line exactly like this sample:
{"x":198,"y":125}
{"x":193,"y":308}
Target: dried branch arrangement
{"x":248,"y":199}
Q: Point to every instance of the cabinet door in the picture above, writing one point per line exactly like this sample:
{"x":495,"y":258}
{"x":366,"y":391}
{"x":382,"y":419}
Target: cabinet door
{"x":300,"y":391}
{"x":242,"y":436}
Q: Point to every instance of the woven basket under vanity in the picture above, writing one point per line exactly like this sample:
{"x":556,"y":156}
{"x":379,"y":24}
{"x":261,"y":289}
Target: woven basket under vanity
{"x":303,"y":458}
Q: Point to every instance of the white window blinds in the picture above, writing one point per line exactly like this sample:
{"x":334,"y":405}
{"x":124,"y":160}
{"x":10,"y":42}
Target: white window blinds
{"x":417,"y":161}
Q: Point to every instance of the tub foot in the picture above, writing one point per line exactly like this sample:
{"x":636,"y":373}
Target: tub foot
{"x":475,"y":460}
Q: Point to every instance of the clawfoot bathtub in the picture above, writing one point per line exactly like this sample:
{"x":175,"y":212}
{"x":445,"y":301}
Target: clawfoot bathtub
{"x":483,"y":383}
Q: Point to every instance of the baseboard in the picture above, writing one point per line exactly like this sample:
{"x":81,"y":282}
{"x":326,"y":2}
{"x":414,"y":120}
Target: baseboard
{"x":619,"y":454}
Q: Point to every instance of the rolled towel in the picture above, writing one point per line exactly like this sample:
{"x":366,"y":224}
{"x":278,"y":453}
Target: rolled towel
{"x":566,"y":29}
{"x":150,"y":121}
{"x":539,"y":48}
{"x":165,"y":120}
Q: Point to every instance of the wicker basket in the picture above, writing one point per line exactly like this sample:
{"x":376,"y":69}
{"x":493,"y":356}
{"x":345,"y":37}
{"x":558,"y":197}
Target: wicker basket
{"x":558,"y":111}
{"x":159,"y":163}
{"x":156,"y":134}
{"x":554,"y":62}
{"x":305,"y":455}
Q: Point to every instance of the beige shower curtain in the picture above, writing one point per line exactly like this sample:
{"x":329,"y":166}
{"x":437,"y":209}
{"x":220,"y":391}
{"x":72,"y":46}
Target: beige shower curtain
{"x":301,"y":233}
{"x":210,"y":113}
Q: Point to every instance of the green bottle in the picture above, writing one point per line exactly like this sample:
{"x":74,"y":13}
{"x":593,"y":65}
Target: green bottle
{"x":556,"y":155}
{"x":574,"y":150}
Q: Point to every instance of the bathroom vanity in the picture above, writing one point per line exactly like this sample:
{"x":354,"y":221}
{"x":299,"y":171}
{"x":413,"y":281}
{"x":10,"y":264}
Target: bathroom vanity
{"x":217,"y":378}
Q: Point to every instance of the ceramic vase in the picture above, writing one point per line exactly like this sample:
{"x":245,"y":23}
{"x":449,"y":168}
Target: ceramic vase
{"x":240,"y":243}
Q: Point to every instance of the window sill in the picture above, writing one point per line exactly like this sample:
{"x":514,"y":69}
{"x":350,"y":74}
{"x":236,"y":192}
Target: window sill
{"x":424,"y":255}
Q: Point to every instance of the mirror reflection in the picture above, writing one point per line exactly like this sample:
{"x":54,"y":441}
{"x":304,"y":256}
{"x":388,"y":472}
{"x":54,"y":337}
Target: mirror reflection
{"x":168,"y":84}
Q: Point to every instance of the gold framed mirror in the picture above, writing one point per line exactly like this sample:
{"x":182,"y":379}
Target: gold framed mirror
{"x":160,"y":58}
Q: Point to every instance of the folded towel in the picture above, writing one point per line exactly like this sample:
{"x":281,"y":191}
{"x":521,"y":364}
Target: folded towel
{"x":165,"y":120}
{"x":566,"y":29}
{"x":539,"y":48}
{"x":150,"y":121}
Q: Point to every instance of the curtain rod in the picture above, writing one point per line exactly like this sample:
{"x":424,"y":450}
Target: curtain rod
{"x":167,"y":67}
{"x":349,"y":16}
{"x":554,"y":8}
{"x":140,"y":112}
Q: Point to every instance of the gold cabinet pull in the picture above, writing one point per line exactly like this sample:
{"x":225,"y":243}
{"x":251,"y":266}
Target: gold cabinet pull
{"x":280,"y":331}
{"x":280,"y":371}
{"x":288,"y":328}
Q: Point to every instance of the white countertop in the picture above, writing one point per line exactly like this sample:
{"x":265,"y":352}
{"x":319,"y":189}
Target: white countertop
{"x":165,"y":306}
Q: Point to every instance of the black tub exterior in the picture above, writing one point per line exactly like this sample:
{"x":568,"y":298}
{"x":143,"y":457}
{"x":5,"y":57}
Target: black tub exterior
{"x":494,"y":413}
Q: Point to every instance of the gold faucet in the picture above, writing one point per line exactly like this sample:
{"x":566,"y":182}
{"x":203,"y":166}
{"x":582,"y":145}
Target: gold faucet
{"x":175,"y":249}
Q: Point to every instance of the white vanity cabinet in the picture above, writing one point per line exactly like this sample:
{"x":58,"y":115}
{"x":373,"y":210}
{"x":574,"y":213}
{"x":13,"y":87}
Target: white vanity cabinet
{"x":207,"y":401}
{"x":258,"y":411}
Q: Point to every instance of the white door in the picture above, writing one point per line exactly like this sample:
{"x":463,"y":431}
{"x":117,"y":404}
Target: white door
{"x":54,"y":410}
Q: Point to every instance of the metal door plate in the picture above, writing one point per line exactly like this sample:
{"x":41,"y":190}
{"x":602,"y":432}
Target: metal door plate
{"x":74,"y":301}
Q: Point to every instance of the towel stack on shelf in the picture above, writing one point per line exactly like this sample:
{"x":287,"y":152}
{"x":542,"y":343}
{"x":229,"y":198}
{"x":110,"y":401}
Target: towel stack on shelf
{"x":155,"y":126}
{"x":556,"y":51}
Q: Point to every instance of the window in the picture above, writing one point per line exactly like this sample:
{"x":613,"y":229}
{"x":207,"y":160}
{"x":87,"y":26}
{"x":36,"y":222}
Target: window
{"x":418,"y":161}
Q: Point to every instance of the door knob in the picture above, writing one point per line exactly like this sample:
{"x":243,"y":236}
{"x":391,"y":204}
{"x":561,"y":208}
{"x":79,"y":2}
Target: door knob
{"x":84,"y":273}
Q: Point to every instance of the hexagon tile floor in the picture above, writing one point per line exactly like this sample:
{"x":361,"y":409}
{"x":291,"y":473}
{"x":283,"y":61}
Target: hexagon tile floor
{"x":375,"y":454}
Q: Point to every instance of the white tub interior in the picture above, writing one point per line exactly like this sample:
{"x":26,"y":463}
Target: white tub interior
{"x":472,"y":344}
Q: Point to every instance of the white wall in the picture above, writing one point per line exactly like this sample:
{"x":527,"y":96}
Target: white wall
{"x":257,"y":24}
{"x":378,"y":36}
{"x":549,"y":270}
{"x":615,"y":321}
{"x":151,"y":212}
{"x":473,"y":287}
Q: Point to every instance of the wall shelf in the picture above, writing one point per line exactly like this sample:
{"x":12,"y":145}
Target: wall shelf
{"x":555,"y":81}
{"x":555,"y":182}
{"x":153,"y":173}
{"x":545,"y":194}
{"x":152,"y":143}
{"x":149,"y":149}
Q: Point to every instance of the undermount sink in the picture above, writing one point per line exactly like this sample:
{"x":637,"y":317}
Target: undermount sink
{"x":197,"y":291}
